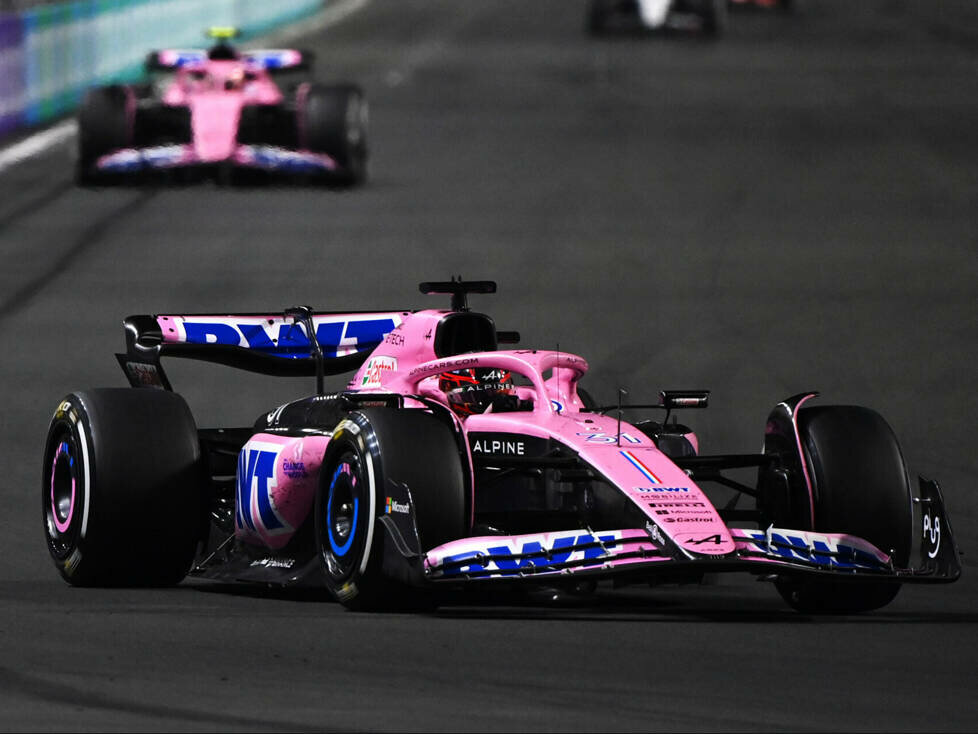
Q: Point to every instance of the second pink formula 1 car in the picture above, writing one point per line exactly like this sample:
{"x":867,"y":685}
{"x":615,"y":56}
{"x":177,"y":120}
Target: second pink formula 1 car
{"x":223,"y":112}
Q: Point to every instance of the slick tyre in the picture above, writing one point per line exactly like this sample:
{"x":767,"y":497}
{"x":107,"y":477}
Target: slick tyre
{"x":333,"y":120}
{"x":121,"y":488}
{"x":598,"y":14}
{"x":104,"y":124}
{"x":370,"y":450}
{"x":860,"y":487}
{"x":714,"y":17}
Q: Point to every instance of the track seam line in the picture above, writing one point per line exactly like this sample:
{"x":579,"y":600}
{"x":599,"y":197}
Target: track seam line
{"x":26,"y":293}
{"x":36,"y":687}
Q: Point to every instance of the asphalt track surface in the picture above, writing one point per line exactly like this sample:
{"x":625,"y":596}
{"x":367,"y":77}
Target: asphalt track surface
{"x":792,"y":207}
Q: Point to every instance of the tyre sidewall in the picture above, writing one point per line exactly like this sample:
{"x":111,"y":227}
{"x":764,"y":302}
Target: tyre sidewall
{"x":103,"y":122}
{"x":860,"y":487}
{"x":334,"y":120}
{"x":139,"y":494}
{"x":348,"y":561}
{"x":859,"y":476}
{"x":68,"y":442}
{"x":407,"y":447}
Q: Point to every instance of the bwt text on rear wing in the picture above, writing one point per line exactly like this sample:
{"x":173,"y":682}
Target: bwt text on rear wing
{"x":278,"y":345}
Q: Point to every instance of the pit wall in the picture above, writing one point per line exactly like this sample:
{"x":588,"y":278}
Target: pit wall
{"x":50,"y":54}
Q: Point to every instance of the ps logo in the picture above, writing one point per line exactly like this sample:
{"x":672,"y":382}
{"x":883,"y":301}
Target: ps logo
{"x":932,"y":532}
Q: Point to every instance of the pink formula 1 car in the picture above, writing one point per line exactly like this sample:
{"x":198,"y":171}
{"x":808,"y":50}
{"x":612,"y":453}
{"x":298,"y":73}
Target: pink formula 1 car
{"x":448,"y":463}
{"x":222,"y":112}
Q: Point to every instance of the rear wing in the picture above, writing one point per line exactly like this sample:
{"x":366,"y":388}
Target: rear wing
{"x":278,"y":345}
{"x":280,"y":59}
{"x":272,"y":59}
{"x":174,"y":58}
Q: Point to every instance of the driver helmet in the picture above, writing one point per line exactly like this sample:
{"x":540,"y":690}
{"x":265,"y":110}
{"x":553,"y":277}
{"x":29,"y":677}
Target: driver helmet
{"x":235,"y":79}
{"x":471,"y":391}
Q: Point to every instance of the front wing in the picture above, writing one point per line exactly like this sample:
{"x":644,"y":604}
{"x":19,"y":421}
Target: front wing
{"x":643,"y":551}
{"x":269,"y":158}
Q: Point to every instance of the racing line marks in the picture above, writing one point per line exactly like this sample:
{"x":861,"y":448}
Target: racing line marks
{"x":37,"y":144}
{"x":23,"y":295}
{"x":40,"y":687}
{"x":36,"y":202}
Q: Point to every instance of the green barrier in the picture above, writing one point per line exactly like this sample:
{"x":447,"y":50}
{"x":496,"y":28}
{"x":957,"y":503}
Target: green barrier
{"x":70,"y":46}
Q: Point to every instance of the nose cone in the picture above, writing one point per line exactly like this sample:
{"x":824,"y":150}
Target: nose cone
{"x":215,"y":123}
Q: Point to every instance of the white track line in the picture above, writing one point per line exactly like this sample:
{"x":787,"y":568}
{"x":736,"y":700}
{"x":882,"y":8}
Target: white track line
{"x":67,"y":129}
{"x":37,"y":144}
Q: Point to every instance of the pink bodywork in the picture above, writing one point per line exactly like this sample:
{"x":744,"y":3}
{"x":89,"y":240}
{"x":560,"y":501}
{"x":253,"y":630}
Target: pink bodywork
{"x":216,"y":91}
{"x":405,"y":363}
{"x":291,"y":490}
{"x":681,"y":521}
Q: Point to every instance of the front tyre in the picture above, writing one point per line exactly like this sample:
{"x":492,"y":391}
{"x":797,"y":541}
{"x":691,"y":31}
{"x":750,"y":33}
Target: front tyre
{"x":370,"y":449}
{"x":861,"y":488}
{"x":120,"y":490}
{"x":333,"y":120}
{"x":104,"y":125}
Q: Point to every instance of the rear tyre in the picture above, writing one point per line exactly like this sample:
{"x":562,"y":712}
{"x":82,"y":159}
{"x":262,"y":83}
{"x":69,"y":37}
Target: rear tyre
{"x":370,"y":449}
{"x":598,"y":13}
{"x":714,"y":16}
{"x":334,"y":121}
{"x":104,"y":125}
{"x":121,"y":488}
{"x":861,"y":488}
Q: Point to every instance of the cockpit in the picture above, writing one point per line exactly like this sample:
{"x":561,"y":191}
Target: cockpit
{"x":233,"y":78}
